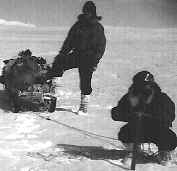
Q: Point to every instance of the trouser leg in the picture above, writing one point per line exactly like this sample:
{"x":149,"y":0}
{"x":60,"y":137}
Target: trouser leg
{"x":85,"y":81}
{"x":86,"y":89}
{"x":165,"y":139}
{"x":62,"y":63}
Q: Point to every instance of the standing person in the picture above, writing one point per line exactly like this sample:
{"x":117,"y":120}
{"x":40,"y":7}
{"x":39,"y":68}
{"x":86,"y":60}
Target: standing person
{"x":157,"y":112}
{"x":83,"y":48}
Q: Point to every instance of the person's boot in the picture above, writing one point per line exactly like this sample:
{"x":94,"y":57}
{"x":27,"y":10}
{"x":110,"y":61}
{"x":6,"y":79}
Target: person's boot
{"x":55,"y":85}
{"x":166,"y":158}
{"x":54,"y":73}
{"x":83,"y":105}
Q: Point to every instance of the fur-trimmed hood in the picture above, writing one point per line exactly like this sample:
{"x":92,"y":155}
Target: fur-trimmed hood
{"x":88,"y":19}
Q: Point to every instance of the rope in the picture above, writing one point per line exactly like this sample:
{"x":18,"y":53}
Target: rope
{"x":90,"y":134}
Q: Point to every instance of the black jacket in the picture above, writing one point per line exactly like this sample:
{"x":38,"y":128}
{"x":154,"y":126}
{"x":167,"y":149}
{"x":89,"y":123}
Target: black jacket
{"x":87,"y":38}
{"x":161,"y":110}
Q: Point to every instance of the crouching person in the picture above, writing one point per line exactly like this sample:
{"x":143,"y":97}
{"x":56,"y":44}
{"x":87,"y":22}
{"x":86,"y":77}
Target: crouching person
{"x":157,"y":112}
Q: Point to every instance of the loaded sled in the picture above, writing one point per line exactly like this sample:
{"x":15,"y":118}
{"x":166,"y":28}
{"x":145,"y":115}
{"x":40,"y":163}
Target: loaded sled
{"x":24,"y":79}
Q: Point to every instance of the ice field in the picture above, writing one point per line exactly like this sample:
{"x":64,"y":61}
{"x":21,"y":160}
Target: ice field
{"x":69,"y":142}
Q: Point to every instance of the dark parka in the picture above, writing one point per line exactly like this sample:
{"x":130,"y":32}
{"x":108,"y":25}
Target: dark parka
{"x":161,"y":109}
{"x":87,"y":40}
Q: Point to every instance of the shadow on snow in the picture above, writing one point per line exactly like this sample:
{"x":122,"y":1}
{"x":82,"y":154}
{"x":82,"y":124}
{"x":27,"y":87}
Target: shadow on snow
{"x":100,"y":153}
{"x":74,"y":152}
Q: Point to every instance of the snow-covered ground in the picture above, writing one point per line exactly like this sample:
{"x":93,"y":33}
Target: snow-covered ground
{"x":30,"y":142}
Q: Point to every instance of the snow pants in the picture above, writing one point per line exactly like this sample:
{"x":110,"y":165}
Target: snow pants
{"x":164,"y":138}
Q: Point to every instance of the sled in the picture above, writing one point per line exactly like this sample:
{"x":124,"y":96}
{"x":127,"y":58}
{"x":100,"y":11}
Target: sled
{"x":35,"y":100}
{"x":25,"y":80}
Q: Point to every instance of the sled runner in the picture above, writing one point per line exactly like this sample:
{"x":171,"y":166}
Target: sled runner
{"x":25,"y":81}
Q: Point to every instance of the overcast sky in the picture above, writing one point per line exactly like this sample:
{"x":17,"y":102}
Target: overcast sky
{"x":140,"y":13}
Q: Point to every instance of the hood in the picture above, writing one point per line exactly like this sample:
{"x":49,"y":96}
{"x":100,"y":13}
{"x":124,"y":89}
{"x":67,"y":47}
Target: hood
{"x":89,"y":19}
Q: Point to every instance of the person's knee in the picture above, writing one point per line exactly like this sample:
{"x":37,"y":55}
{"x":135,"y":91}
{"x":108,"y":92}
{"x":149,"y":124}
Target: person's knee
{"x":173,"y":142}
{"x":168,"y":141}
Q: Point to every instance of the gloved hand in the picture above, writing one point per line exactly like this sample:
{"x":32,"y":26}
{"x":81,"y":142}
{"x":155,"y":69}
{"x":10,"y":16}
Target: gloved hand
{"x":94,"y":68}
{"x":134,"y":100}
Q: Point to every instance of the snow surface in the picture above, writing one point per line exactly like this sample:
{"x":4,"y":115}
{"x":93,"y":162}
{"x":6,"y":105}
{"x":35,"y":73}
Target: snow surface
{"x":69,"y":142}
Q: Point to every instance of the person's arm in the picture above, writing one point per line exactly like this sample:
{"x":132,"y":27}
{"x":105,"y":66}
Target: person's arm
{"x":168,"y":113}
{"x":122,"y":111}
{"x":99,"y":44}
{"x":68,"y":42}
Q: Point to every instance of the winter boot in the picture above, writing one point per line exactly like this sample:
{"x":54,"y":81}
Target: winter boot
{"x":83,"y":105}
{"x":166,"y":158}
{"x":55,"y":85}
{"x":54,"y":72}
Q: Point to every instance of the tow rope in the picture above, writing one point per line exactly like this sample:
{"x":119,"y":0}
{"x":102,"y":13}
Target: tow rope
{"x":90,"y":134}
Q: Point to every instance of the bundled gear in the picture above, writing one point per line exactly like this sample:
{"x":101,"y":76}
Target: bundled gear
{"x":24,"y":78}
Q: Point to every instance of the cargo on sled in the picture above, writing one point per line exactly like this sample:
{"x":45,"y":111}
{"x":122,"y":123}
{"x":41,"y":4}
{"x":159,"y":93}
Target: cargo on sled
{"x":25,"y":81}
